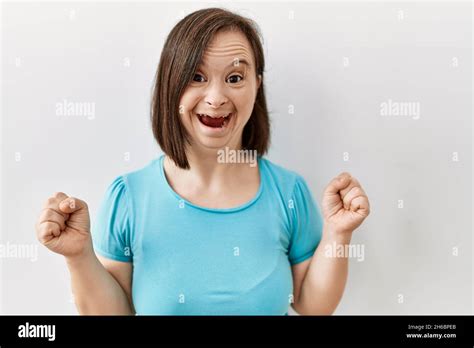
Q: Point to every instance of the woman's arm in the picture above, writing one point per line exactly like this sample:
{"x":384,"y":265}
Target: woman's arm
{"x":325,"y":279}
{"x":96,"y":291}
{"x":345,"y":207}
{"x":64,"y":227}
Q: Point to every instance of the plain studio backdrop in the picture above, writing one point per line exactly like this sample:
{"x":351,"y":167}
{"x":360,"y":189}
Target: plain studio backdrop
{"x":382,"y":90}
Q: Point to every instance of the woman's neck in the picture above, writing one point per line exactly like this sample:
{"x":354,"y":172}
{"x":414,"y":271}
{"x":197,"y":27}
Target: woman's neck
{"x":211,"y":183}
{"x":206,"y":171}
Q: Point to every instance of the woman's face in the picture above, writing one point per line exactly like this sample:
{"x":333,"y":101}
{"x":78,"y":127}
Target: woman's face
{"x":219,"y":100}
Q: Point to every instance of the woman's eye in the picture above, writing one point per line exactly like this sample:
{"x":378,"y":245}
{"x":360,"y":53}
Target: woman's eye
{"x":198,"y":78}
{"x":235,"y":79}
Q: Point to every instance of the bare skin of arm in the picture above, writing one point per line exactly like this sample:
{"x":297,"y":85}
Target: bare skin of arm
{"x":323,"y":284}
{"x":320,"y":281}
{"x":99,"y":285}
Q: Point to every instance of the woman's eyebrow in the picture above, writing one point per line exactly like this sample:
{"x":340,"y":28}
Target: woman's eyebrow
{"x":235,"y":62}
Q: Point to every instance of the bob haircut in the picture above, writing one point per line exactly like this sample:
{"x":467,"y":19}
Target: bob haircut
{"x":180,"y":58}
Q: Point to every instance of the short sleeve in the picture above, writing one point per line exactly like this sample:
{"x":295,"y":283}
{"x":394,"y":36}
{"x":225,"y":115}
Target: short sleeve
{"x":307,"y":224}
{"x":111,"y":229}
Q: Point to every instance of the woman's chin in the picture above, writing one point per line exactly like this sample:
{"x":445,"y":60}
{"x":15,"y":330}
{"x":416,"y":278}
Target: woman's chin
{"x":213,"y":144}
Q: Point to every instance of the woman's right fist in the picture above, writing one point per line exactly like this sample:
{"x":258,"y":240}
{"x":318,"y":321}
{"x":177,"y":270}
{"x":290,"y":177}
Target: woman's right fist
{"x":64,"y":225}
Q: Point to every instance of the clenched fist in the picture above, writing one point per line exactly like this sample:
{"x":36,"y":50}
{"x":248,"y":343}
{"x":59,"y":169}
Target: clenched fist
{"x":64,"y":225}
{"x":345,"y":204}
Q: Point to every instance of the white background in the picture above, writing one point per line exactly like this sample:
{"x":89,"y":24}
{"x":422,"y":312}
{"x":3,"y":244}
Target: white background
{"x":334,"y":63}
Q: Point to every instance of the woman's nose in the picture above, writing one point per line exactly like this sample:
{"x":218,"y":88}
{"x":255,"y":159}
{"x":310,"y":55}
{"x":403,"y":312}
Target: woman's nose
{"x":215,"y":98}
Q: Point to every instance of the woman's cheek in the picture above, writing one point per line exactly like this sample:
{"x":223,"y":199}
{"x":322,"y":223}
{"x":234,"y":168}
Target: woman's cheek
{"x":187,"y":104}
{"x":242,"y":98}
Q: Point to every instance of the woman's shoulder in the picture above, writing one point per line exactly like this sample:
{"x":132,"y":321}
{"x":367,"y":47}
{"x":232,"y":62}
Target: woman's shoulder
{"x":143,"y":176}
{"x":280,"y":176}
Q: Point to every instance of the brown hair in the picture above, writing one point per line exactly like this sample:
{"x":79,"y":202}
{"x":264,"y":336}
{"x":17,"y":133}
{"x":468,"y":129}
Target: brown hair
{"x":179,"y":60}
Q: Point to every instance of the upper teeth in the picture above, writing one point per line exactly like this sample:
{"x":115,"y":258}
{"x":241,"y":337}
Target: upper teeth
{"x":214,"y":116}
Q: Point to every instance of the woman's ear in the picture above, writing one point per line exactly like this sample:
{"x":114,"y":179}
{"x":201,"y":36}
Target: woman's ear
{"x":259,"y":80}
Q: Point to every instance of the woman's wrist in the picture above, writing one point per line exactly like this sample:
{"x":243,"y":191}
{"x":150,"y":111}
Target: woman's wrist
{"x":332,"y":234}
{"x":78,"y":259}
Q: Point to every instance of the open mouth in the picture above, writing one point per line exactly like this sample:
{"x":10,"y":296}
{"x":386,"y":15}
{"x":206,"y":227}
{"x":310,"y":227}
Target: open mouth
{"x":214,"y":121}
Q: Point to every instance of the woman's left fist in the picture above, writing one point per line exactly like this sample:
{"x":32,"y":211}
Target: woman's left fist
{"x":345,"y":204}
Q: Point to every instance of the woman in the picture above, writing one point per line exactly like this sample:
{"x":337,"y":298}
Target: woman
{"x":204,"y":229}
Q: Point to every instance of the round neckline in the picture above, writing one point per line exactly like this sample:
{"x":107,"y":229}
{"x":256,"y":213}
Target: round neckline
{"x":214,"y":210}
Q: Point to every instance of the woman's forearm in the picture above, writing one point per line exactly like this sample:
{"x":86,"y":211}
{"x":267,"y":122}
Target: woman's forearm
{"x":96,"y":292}
{"x":325,"y":280}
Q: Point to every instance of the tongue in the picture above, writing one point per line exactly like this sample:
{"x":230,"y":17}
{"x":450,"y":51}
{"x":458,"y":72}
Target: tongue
{"x":212,"y":122}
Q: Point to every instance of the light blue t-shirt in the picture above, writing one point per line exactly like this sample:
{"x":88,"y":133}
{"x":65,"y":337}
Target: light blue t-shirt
{"x":192,"y":260}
